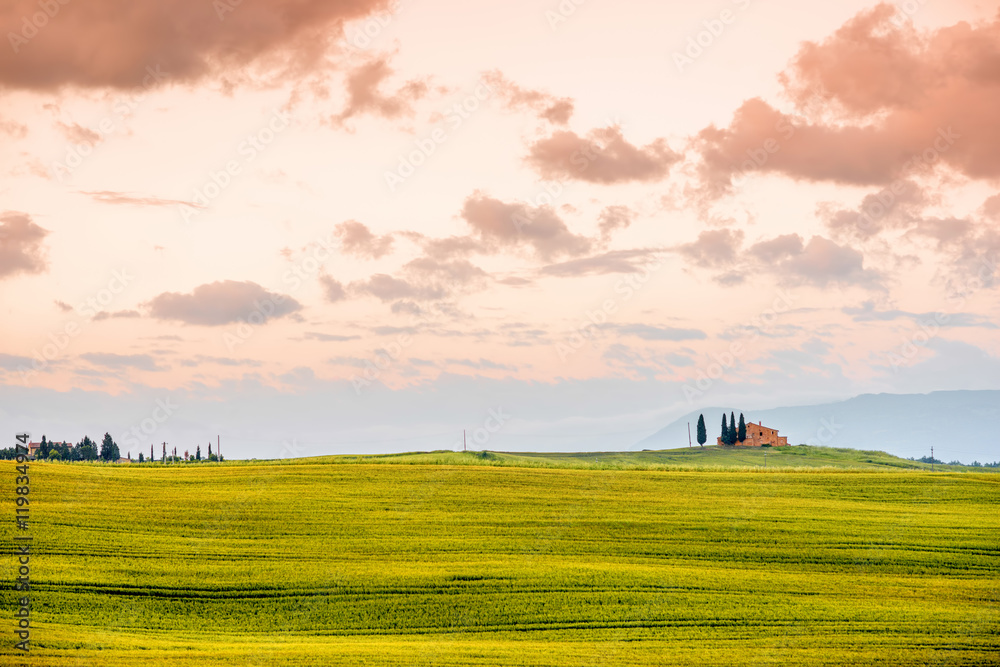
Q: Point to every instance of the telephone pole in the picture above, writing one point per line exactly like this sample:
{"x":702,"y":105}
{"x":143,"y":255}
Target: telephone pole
{"x":689,"y":435}
{"x":464,"y":447}
{"x":932,"y":459}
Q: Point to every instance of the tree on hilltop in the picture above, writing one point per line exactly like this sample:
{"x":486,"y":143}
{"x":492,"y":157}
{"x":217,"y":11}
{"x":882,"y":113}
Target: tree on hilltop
{"x":741,"y":433}
{"x":725,"y":430}
{"x":63,"y":449}
{"x":702,"y":431}
{"x":109,"y":450}
{"x":85,"y":450}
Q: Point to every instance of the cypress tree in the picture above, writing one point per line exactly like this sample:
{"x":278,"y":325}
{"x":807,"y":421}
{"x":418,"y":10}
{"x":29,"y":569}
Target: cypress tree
{"x":702,"y":431}
{"x":741,"y":434}
{"x":725,"y":430}
{"x":109,"y":449}
{"x":732,"y":428}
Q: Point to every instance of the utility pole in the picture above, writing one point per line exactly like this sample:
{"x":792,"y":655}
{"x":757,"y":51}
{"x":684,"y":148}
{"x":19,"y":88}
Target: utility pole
{"x":689,"y":435}
{"x":464,"y":447}
{"x":932,"y":459}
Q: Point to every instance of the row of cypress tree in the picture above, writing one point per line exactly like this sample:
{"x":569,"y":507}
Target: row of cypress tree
{"x":731,"y":433}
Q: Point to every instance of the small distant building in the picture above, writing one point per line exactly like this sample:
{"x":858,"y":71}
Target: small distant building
{"x":124,"y":460}
{"x":758,"y":435}
{"x":33,"y":447}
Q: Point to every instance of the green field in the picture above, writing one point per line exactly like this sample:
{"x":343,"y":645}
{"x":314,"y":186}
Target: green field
{"x":737,"y":459}
{"x":513,"y":560}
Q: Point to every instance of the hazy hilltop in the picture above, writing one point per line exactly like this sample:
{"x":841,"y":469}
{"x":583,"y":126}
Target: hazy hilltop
{"x":960,"y":425}
{"x":710,"y":458}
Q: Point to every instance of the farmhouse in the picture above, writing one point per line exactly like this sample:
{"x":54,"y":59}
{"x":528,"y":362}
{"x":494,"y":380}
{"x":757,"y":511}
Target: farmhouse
{"x":758,"y":435}
{"x":33,"y":447}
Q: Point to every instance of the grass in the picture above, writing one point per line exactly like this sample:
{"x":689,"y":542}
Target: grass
{"x":489,"y":562}
{"x":735,"y":459}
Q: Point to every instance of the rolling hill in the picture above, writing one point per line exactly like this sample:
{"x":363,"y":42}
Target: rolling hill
{"x":960,"y":425}
{"x":694,"y":458}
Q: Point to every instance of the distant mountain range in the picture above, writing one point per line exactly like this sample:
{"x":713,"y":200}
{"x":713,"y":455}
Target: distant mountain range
{"x":959,"y":425}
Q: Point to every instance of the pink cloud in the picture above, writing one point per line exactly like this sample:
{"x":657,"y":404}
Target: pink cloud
{"x":504,"y":225}
{"x":21,"y":248}
{"x":223,"y":302}
{"x":79,"y":135}
{"x":613,"y":218}
{"x":119,"y":43}
{"x":364,"y":94}
{"x":818,"y":262}
{"x":333,"y":290}
{"x":557,"y":110}
{"x":714,"y":248}
{"x":356,"y":239}
{"x":604,"y":156}
{"x":387,"y":288}
{"x":896,"y":102}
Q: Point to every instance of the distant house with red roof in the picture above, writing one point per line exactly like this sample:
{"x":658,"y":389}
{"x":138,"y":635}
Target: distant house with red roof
{"x":758,"y":435}
{"x":33,"y":447}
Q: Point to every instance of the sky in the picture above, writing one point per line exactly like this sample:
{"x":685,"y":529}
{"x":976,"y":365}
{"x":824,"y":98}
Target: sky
{"x":315,"y":226}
